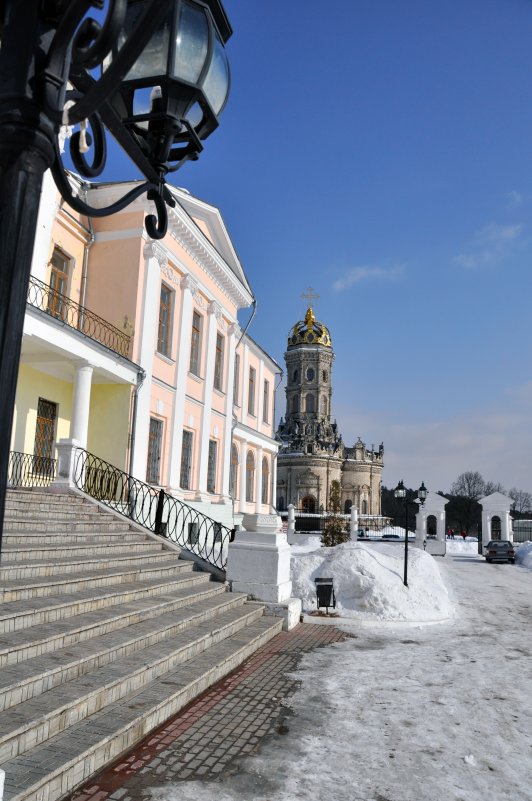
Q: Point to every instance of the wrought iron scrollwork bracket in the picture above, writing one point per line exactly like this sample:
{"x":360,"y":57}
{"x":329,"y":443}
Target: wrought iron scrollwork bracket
{"x":80,"y":44}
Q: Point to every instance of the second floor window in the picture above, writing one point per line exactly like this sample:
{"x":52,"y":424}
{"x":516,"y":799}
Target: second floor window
{"x":59,"y":278}
{"x":165,"y":312}
{"x":251,"y":391}
{"x":266,"y":402}
{"x":186,"y":460}
{"x":236,"y":379}
{"x":211,"y":466}
{"x":195,"y":344}
{"x":219,"y":363}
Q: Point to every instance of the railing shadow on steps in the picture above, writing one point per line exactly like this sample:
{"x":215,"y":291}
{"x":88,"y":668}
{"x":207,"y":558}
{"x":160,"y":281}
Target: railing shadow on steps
{"x":153,"y":508}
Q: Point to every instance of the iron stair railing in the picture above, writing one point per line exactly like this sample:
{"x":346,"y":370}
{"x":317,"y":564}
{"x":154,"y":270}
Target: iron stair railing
{"x":153,"y":508}
{"x":28,"y":470}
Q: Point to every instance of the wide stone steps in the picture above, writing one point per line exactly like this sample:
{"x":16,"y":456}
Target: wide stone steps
{"x":53,"y":768}
{"x":105,"y":633}
{"x":23,"y":681}
{"x":44,"y":586}
{"x":74,"y":564}
{"x":17,"y":646}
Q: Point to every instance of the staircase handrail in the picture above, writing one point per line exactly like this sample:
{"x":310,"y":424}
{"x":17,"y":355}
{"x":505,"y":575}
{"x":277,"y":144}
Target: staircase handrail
{"x":153,"y":508}
{"x":30,"y":470}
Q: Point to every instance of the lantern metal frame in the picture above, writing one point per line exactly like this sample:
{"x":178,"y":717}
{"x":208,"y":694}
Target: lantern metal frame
{"x":52,"y":74}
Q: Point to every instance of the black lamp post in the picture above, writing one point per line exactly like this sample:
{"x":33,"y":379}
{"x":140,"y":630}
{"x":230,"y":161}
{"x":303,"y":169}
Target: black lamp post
{"x":400,"y":493}
{"x":61,"y":66}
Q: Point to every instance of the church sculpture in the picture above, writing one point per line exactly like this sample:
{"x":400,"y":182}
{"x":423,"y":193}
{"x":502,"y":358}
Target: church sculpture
{"x":312,"y":453}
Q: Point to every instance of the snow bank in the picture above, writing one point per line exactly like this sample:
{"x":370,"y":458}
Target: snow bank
{"x":368,"y":582}
{"x":523,"y":555}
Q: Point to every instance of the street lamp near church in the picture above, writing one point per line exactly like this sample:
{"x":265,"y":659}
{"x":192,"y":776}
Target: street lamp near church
{"x":153,"y":73}
{"x":400,"y":494}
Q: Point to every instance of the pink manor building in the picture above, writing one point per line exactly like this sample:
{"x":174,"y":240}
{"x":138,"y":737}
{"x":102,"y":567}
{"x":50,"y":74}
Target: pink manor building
{"x":132,"y":347}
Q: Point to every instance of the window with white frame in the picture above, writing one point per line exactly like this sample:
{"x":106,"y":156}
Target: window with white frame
{"x":165,"y":320}
{"x":186,"y":460}
{"x":250,"y":477}
{"x":195,"y":344}
{"x":219,"y":363}
{"x":265,"y":479}
{"x":266,"y":402}
{"x":211,"y":465}
{"x":251,"y":390}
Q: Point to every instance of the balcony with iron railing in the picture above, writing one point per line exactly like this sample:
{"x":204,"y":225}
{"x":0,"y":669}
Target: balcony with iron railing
{"x":69,"y":313}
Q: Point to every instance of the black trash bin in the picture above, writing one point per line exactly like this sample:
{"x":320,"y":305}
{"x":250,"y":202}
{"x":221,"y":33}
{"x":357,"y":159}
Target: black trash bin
{"x":325,"y":593}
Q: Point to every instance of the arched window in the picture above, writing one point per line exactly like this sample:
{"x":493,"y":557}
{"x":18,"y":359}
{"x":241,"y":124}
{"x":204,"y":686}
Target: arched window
{"x":295,"y":376}
{"x":308,"y":504}
{"x":250,"y":477}
{"x":309,"y":403}
{"x":280,"y":503}
{"x":323,"y":405}
{"x":347,"y":506}
{"x":233,"y":471}
{"x":295,"y":403}
{"x":495,"y":527}
{"x":265,"y":479}
{"x":364,"y":507}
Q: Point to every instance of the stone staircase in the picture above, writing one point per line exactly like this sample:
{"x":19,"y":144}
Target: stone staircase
{"x":105,"y":633}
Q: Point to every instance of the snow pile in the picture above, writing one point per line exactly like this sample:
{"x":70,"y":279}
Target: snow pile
{"x":469,"y":546}
{"x":523,"y":555}
{"x":368,"y":581}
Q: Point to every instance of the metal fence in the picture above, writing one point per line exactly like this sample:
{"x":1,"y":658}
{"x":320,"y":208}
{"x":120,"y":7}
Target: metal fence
{"x":315,"y":522}
{"x":28,"y":470}
{"x":153,"y":508}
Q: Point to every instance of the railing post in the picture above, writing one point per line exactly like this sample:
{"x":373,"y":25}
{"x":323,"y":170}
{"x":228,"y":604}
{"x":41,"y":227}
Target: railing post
{"x":160,"y":527}
{"x":291,"y":522}
{"x":353,"y":523}
{"x":66,"y":466}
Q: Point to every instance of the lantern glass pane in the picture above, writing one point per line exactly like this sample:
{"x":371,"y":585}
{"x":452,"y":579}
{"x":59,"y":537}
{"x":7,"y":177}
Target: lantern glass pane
{"x":154,"y":58}
{"x":192,"y":43}
{"x":194,"y":115}
{"x":216,"y":85}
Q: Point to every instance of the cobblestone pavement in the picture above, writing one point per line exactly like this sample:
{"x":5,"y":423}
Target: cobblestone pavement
{"x":224,"y":724}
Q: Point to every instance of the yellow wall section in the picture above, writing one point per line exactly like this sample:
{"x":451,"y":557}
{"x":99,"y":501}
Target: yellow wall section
{"x":109,"y":423}
{"x":32,"y":385}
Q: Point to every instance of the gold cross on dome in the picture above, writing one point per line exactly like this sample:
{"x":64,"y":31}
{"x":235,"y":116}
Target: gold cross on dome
{"x":309,"y":295}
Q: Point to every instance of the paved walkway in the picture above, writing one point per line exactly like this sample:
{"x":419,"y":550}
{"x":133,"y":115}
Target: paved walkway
{"x":224,"y":724}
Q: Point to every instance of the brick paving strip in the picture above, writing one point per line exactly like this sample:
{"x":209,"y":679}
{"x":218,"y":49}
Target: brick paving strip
{"x":224,"y":724}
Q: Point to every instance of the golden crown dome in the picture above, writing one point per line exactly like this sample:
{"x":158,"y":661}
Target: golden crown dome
{"x":309,"y":332}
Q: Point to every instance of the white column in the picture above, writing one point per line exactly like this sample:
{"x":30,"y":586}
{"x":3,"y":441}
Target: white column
{"x":189,"y":288}
{"x":79,"y":422}
{"x":228,"y":429}
{"x":273,"y":490}
{"x":215,"y":314}
{"x":353,"y":523}
{"x":243,"y":454}
{"x":440,"y":526}
{"x":154,"y":257}
{"x":258,"y":482}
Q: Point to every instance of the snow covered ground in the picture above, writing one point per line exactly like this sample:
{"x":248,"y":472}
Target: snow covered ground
{"x":428,"y":713}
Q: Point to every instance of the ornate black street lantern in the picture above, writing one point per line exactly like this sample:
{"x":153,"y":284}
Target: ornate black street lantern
{"x":152,"y":72}
{"x":400,"y":494}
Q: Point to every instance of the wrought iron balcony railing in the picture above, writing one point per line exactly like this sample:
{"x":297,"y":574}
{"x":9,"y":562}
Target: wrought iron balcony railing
{"x":68,"y":312}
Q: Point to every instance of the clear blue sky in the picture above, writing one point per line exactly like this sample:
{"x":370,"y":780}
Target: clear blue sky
{"x":381,"y":152}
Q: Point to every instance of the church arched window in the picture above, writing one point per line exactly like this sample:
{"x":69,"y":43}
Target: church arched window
{"x":295,"y":403}
{"x":294,"y":378}
{"x":265,"y":479}
{"x":323,"y":405}
{"x":364,"y":507}
{"x":309,"y":403}
{"x":308,"y":504}
{"x":233,"y":471}
{"x":250,"y":477}
{"x":347,"y":506}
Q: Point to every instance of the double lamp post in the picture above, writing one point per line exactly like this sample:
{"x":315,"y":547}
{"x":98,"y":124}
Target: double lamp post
{"x":152,"y":73}
{"x":400,"y":494}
